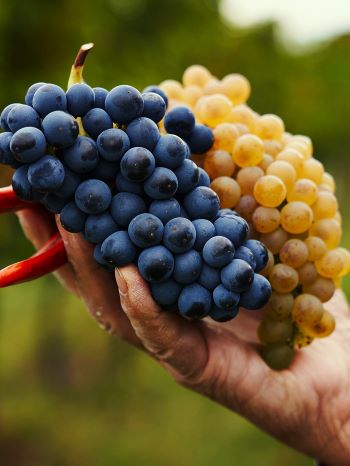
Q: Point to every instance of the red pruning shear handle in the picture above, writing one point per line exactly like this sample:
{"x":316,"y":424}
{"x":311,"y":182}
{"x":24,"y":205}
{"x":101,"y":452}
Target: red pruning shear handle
{"x":47,"y":259}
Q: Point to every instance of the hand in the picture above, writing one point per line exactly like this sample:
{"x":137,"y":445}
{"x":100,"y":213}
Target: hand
{"x":81,"y":275}
{"x":306,"y":406}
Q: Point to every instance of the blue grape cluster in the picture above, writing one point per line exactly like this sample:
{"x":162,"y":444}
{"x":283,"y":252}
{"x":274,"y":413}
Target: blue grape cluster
{"x":134,"y":192}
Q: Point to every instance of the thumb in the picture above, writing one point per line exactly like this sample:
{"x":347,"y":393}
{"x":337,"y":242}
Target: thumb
{"x":179,"y":345}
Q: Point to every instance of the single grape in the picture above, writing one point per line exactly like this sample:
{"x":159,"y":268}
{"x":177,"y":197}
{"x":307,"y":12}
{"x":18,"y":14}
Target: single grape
{"x":280,"y":306}
{"x":237,"y":276}
{"x":325,"y":206}
{"x":187,"y":175}
{"x":162,"y":184}
{"x":307,"y":310}
{"x":145,"y":230}
{"x":329,"y":230}
{"x":180,"y":121}
{"x":307,"y":274}
{"x":99,"y":226}
{"x":275,"y":331}
{"x":72,"y":218}
{"x":48,"y":98}
{"x":200,"y":140}
{"x":100,"y":97}
{"x":165,"y":210}
{"x":236,"y":87}
{"x":248,"y":150}
{"x":278,"y":356}
{"x":218,"y":251}
{"x":99,"y":258}
{"x":270,"y":127}
{"x":233,"y":228}
{"x":118,"y":250}
{"x":154,"y":106}
{"x":218,"y":163}
{"x":166,"y":293}
{"x":259,"y":251}
{"x":21,"y":116}
{"x":93,"y":196}
{"x":209,"y":277}
{"x":257,"y":295}
{"x":313,"y":169}
{"x":82,"y":156}
{"x":228,"y":191}
{"x":266,"y":219}
{"x":46,"y":174}
{"x":224,"y":298}
{"x":225,"y":135}
{"x":294,"y":252}
{"x":316,"y":247}
{"x":20,"y":184}
{"x":321,"y":287}
{"x":283,"y":278}
{"x":204,"y":231}
{"x":112,"y":144}
{"x":194,"y":301}
{"x":247,"y":177}
{"x":123,"y":104}
{"x":179,"y":235}
{"x":170,"y":151}
{"x":303,"y":190}
{"x":196,"y":75}
{"x":331,"y":264}
{"x":187,"y":267}
{"x":269,"y":191}
{"x":293,"y":157}
{"x":156,"y":264}
{"x":143,"y":132}
{"x":274,"y":240}
{"x":125,"y":206}
{"x":246,"y":207}
{"x":31,"y":91}
{"x":296,"y":217}
{"x":137,"y":164}
{"x":61,"y":129}
{"x":80,"y":99}
{"x":204,"y":179}
{"x":96,"y":121}
{"x":28,"y":144}
{"x":214,"y":109}
{"x":157,"y":90}
{"x":284,"y":171}
{"x":201,"y":202}
{"x":172,"y":89}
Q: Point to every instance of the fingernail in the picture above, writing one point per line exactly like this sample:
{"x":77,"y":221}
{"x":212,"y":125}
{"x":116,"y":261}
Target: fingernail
{"x":121,"y":282}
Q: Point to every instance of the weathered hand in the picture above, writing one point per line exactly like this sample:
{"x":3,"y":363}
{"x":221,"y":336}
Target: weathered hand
{"x":306,"y":406}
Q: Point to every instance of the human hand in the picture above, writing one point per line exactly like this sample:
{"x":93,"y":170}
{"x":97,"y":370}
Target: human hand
{"x":306,"y":406}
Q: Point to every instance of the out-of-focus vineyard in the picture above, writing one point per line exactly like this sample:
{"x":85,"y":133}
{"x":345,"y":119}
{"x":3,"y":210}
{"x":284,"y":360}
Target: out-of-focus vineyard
{"x":69,"y":393}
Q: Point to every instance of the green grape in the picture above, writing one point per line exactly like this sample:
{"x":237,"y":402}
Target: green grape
{"x":278,"y":356}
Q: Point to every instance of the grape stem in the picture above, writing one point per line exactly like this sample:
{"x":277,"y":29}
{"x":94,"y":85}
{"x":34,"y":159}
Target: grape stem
{"x":76,"y":73}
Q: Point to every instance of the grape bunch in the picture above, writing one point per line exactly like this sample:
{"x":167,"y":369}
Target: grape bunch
{"x":271,"y":178}
{"x":118,"y":170}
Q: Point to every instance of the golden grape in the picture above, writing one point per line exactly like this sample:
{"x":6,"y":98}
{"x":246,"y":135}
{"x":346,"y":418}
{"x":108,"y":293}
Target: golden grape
{"x":331,"y":264}
{"x":321,"y":287}
{"x":307,"y":309}
{"x":218,"y":163}
{"x":283,"y":170}
{"x":294,"y":253}
{"x":269,"y":191}
{"x":296,"y":217}
{"x":196,"y":75}
{"x":313,"y":170}
{"x":328,"y":180}
{"x":266,"y":219}
{"x":301,"y":340}
{"x":191,"y":94}
{"x":346,"y":256}
{"x":270,"y":126}
{"x":236,"y":87}
{"x":316,"y":246}
{"x":293,"y":157}
{"x":266,"y":161}
{"x":247,"y":177}
{"x":244,"y":115}
{"x":283,"y":278}
{"x":329,"y":230}
{"x":213,"y":109}
{"x":248,"y":150}
{"x":321,"y":329}
{"x":228,"y":191}
{"x":275,"y":240}
{"x":307,"y":274}
{"x":325,"y":206}
{"x":225,"y":135}
{"x":272,"y":147}
{"x":303,"y":190}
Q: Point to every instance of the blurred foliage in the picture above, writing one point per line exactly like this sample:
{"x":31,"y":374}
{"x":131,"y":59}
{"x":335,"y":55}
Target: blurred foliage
{"x":70,"y":393}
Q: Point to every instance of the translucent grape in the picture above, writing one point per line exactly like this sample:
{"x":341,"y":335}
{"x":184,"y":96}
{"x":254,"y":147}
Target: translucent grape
{"x":294,"y":252}
{"x":266,"y":161}
{"x":316,"y":246}
{"x":228,"y":191}
{"x":321,"y":287}
{"x":218,"y":163}
{"x":270,"y":127}
{"x":280,"y":306}
{"x":303,"y":190}
{"x":191,"y":94}
{"x":272,"y":147}
{"x":296,"y":217}
{"x":225,"y":135}
{"x":246,"y":207}
{"x":275,"y":240}
{"x":307,"y":142}
{"x":313,"y":169}
{"x":283,"y":278}
{"x":329,"y":230}
{"x":307,"y":274}
{"x":213,"y":86}
{"x":268,"y":267}
{"x":331,"y":264}
{"x":307,"y":310}
{"x":270,"y":191}
{"x":236,"y":87}
{"x":244,"y":115}
{"x":275,"y":331}
{"x":293,"y":157}
{"x":266,"y":219}
{"x":321,"y":329}
{"x":283,"y":170}
{"x":214,"y":109}
{"x":325,"y":206}
{"x":248,"y":150}
{"x":301,"y":147}
{"x":172,"y":88}
{"x":196,"y":75}
{"x":247,"y":177}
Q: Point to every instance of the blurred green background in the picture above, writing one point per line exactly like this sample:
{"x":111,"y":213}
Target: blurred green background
{"x":70,"y":394}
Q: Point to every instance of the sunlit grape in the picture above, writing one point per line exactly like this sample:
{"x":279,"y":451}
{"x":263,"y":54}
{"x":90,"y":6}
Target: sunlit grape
{"x":293,"y":157}
{"x":270,"y":191}
{"x":270,"y":127}
{"x":218,"y":163}
{"x":247,"y":177}
{"x":213,"y":109}
{"x":248,"y":150}
{"x":313,"y":170}
{"x":321,"y":287}
{"x":316,"y":246}
{"x":172,"y":88}
{"x":191,"y":94}
{"x":283,"y":170}
{"x":228,"y":191}
{"x":294,"y":252}
{"x":283,"y":278}
{"x":266,"y":161}
{"x":245,"y":115}
{"x":236,"y":87}
{"x":331,"y":264}
{"x":246,"y":207}
{"x":225,"y":135}
{"x":325,"y":206}
{"x":321,"y":329}
{"x":196,"y":75}
{"x":306,"y":140}
{"x":296,"y":217}
{"x":329,"y":230}
{"x":272,"y":147}
{"x":300,"y":146}
{"x":303,"y":190}
{"x":266,"y":219}
{"x":213,"y":86}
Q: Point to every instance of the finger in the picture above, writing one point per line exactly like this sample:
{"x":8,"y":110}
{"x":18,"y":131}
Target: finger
{"x":177,"y":343}
{"x":38,"y":226}
{"x":97,"y":287}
